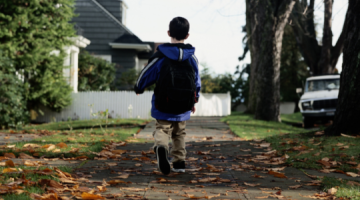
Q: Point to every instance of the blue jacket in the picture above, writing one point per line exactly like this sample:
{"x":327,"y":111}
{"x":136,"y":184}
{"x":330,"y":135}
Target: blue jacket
{"x":150,"y":74}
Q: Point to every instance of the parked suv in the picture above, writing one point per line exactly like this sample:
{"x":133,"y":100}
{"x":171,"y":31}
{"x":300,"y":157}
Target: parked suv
{"x":319,"y":99}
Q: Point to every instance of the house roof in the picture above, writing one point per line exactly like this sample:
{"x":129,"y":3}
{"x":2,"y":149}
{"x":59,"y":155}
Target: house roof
{"x":128,"y":38}
{"x":111,"y":16}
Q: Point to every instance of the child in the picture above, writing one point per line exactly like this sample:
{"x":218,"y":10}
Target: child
{"x":174,"y":69}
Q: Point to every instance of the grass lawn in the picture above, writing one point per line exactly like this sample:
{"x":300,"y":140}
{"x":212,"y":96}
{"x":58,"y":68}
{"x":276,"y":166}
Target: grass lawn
{"x":245,"y":126}
{"x":75,"y":142}
{"x":29,"y":184}
{"x":346,"y":188}
{"x":295,"y":118}
{"x":81,"y":124}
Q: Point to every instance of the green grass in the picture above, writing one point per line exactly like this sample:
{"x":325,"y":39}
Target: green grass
{"x":316,"y":148}
{"x":5,"y":177}
{"x":87,"y":140}
{"x":295,"y":118}
{"x":344,"y":190}
{"x":245,"y":126}
{"x":81,"y":124}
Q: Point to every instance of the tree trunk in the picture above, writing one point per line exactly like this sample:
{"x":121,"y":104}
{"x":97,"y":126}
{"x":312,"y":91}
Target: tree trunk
{"x":267,"y":22}
{"x":324,"y":65}
{"x":251,"y":25}
{"x":348,"y":109}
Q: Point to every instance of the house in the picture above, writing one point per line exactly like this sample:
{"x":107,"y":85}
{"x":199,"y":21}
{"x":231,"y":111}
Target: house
{"x":104,"y":23}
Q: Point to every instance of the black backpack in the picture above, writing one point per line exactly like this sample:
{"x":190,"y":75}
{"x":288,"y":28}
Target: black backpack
{"x":175,"y":90}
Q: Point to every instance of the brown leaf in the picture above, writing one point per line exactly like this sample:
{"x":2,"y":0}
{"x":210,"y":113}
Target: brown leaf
{"x":62,"y":145}
{"x":262,"y":197}
{"x":31,"y":163}
{"x":118,"y":151}
{"x":9,"y":163}
{"x":319,"y":133}
{"x":25,"y":156}
{"x":145,"y":159}
{"x":114,"y":182}
{"x":123,"y":176}
{"x":295,"y":186}
{"x":50,"y":183}
{"x":89,"y":196}
{"x":251,"y":184}
{"x":349,"y":136}
{"x":205,"y":180}
{"x":353,"y":183}
{"x":9,"y":155}
{"x":31,"y":145}
{"x":74,"y":150}
{"x":277,"y":174}
{"x":101,"y":188}
{"x":352,"y":174}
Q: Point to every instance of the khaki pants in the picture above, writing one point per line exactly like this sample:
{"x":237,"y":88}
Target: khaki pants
{"x":175,"y":130}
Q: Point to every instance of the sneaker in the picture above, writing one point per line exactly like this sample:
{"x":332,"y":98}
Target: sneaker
{"x":179,"y":167}
{"x":162,"y":159}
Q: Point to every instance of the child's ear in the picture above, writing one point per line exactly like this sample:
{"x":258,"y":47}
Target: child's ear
{"x":187,"y":36}
{"x":169,"y":33}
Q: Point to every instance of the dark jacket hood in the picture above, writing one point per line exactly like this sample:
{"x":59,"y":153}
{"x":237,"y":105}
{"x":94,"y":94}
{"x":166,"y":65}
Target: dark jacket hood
{"x":177,"y":51}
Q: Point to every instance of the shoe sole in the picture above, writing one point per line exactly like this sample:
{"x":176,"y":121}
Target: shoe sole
{"x":162,"y":158}
{"x":178,"y":170}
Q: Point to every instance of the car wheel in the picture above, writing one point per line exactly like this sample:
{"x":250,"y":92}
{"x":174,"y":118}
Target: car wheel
{"x":308,"y":122}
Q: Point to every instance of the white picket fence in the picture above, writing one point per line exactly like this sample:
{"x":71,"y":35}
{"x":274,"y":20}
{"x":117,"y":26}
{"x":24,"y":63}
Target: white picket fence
{"x":126,"y":104}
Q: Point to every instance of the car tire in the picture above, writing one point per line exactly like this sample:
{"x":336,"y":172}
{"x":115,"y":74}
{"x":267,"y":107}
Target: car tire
{"x":308,"y":122}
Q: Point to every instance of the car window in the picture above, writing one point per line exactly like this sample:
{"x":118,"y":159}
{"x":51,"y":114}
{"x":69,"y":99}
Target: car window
{"x":327,"y":84}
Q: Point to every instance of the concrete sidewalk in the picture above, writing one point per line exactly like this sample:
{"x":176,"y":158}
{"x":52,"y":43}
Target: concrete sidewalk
{"x":219,"y":166}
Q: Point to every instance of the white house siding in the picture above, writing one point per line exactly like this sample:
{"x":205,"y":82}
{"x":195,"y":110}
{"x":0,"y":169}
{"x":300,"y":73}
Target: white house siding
{"x":126,"y":104}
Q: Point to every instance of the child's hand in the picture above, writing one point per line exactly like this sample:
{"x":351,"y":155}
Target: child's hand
{"x":193,"y":109}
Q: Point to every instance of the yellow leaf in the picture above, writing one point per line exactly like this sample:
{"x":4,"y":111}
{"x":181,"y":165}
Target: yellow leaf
{"x":89,"y":196}
{"x":9,"y":170}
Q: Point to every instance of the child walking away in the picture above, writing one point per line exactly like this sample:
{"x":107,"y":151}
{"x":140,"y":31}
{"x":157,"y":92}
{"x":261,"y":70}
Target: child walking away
{"x":174,"y":69}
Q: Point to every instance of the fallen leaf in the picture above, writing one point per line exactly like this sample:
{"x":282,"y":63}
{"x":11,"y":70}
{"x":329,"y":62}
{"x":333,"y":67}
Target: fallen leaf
{"x":31,"y":163}
{"x":9,"y":155}
{"x":113,"y":182}
{"x":56,"y":151}
{"x":332,"y":191}
{"x":349,"y":136}
{"x":62,"y":145}
{"x":31,"y":145}
{"x":118,"y":151}
{"x":352,"y":174}
{"x":319,"y":133}
{"x":101,"y":188}
{"x":9,"y":170}
{"x":50,"y":183}
{"x":89,"y":196}
{"x":353,"y":183}
{"x":295,"y":186}
{"x":277,"y":174}
{"x":262,"y":197}
{"x":25,"y":156}
{"x":74,"y":150}
{"x":9,"y":163}
{"x":251,"y":184}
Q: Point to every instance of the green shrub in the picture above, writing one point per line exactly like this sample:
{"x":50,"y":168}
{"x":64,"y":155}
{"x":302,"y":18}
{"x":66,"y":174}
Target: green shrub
{"x":95,"y":74}
{"x":12,"y":105}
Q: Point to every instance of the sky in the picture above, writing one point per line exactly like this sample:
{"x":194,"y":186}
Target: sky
{"x":215,"y":27}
